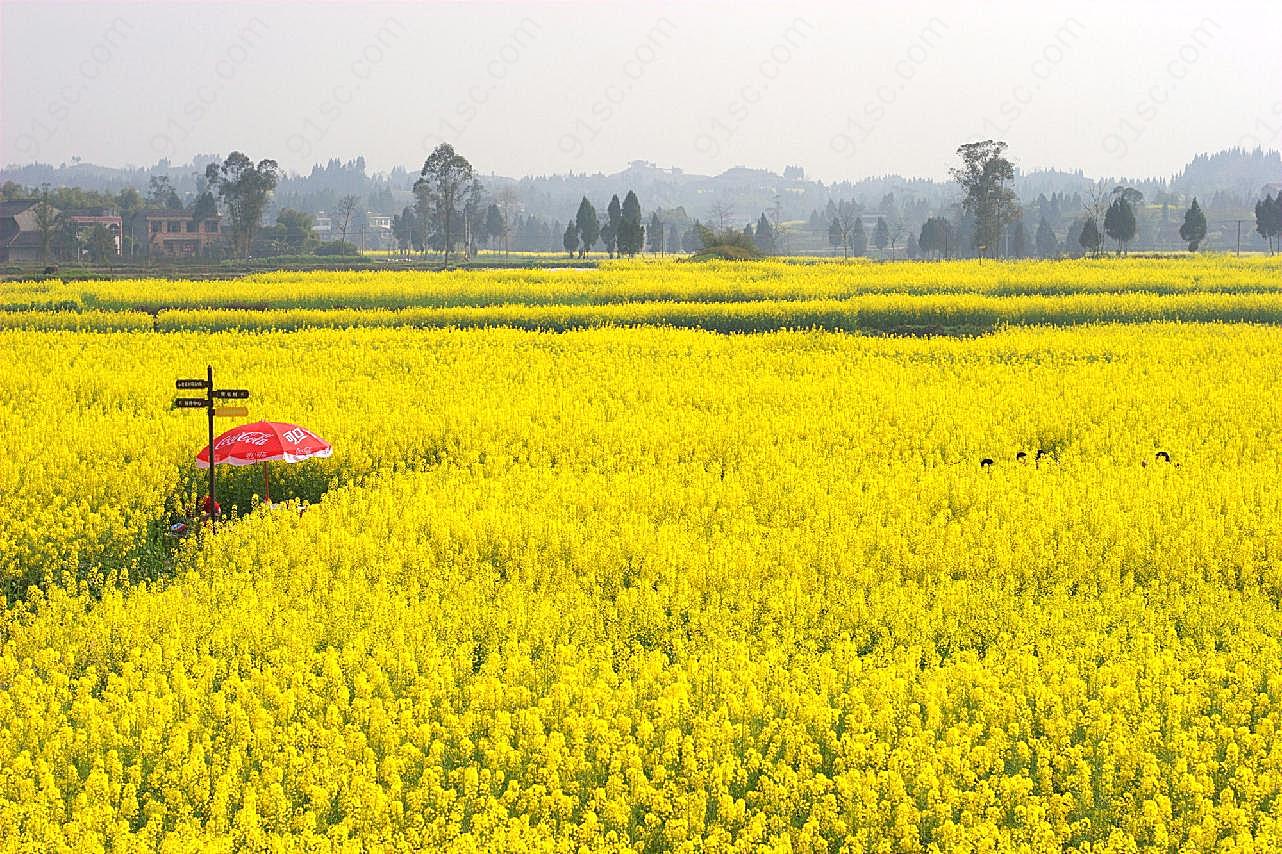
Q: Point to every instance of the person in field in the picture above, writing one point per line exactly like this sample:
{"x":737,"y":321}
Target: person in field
{"x":208,"y":505}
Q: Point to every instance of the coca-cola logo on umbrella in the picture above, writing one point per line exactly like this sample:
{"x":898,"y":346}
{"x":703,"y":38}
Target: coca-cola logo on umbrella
{"x":249,"y":437}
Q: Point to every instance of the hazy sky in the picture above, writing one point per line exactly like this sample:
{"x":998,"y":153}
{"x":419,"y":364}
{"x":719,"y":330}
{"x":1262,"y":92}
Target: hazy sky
{"x":842,"y":89}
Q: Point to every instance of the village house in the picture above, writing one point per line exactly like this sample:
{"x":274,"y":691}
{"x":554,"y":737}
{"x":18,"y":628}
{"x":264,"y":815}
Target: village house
{"x":83,"y":222}
{"x":322,"y":226}
{"x":173,"y":233}
{"x":380,"y":231}
{"x":20,"y":238}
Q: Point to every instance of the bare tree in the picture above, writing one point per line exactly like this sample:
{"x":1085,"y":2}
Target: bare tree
{"x":46,"y":222}
{"x":781,"y":231}
{"x":897,"y":229}
{"x":1098,"y":198}
{"x":474,"y":208}
{"x":843,"y":226}
{"x":346,"y":207}
{"x":508,"y":202}
{"x":724,"y":212}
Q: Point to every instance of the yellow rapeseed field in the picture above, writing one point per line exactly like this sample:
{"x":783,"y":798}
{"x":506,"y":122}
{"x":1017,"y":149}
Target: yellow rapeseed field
{"x":661,"y":281}
{"x":647,"y":588}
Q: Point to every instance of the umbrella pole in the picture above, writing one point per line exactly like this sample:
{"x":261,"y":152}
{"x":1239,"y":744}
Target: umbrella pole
{"x":267,"y":489}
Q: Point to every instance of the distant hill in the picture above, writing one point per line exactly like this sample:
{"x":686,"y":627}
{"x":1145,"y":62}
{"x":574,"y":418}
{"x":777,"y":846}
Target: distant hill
{"x":1235,"y":177}
{"x":1235,"y":171}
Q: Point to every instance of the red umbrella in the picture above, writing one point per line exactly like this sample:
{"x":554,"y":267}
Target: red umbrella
{"x":262,"y":442}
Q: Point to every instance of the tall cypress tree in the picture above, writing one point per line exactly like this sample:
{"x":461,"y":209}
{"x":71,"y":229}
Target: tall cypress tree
{"x":1119,"y":222}
{"x":631,"y":234}
{"x":587,"y":225}
{"x":881,"y":234}
{"x":1018,"y":240}
{"x":858,"y":240}
{"x":1268,"y":218}
{"x":570,"y":240}
{"x":765,"y":237}
{"x":835,"y":237}
{"x":1090,"y":238}
{"x":1047,"y":245}
{"x":937,"y":237}
{"x":1193,"y":231}
{"x":610,"y":228}
{"x":654,"y":234}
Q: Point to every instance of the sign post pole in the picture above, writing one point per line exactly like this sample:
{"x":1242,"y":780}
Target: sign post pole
{"x":213,"y":498}
{"x":212,"y":410}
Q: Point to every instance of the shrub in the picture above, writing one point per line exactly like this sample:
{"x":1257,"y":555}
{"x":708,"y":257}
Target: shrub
{"x":338,"y":247}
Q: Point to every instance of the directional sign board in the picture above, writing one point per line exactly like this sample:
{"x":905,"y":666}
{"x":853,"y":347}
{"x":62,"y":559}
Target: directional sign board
{"x":211,"y":412}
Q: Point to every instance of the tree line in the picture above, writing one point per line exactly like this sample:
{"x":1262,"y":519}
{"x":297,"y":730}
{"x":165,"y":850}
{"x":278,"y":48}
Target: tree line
{"x":991,"y":221}
{"x":454,"y":215}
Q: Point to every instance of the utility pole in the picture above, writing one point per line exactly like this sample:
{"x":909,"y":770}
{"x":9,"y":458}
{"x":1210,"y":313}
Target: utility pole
{"x":44,"y":226}
{"x":778,"y":217}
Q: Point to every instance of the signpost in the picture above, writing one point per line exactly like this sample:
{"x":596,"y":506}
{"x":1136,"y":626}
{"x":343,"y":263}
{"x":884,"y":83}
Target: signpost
{"x":207,"y":403}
